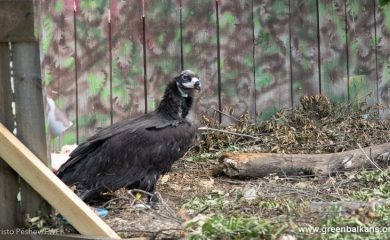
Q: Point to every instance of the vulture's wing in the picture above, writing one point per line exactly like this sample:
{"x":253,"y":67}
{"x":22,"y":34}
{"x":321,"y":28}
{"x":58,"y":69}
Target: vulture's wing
{"x":130,"y":157}
{"x":148,"y":121}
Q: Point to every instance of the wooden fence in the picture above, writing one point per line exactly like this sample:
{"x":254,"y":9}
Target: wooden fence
{"x":103,"y":60}
{"x":21,"y":106}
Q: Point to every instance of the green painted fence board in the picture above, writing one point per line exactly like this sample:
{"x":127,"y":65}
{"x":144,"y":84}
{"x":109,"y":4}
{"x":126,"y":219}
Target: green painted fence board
{"x":383,"y":48}
{"x":236,"y":41}
{"x":272,"y":57}
{"x":304,"y":49}
{"x":361,"y":51}
{"x":163,"y":46}
{"x":127,"y":59}
{"x":200,"y":51}
{"x":333,"y":46}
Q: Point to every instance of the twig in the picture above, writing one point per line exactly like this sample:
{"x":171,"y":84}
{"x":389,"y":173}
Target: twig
{"x":228,"y":132}
{"x":373,"y":163}
{"x":162,"y":203}
{"x":114,"y":199}
{"x":227,"y":115}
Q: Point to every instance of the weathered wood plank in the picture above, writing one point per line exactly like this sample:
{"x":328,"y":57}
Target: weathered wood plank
{"x":30,"y":119}
{"x":304,"y":49}
{"x":361,"y":51}
{"x":237,"y":75}
{"x":17,"y":21}
{"x":333,"y":46}
{"x":93,"y":56}
{"x":163,"y":46}
{"x":272,"y":57}
{"x":9,"y":185}
{"x":57,"y":62}
{"x":200,"y":51}
{"x":383,"y":51}
{"x":127,"y":59}
{"x":43,"y":180}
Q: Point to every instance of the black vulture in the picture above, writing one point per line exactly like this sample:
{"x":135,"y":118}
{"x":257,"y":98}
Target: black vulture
{"x":134,"y":153}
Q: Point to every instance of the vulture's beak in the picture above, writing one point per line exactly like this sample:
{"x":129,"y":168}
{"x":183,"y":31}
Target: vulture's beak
{"x":196,"y":82}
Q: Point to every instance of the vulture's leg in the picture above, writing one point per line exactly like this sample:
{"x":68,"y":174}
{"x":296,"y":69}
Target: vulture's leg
{"x":88,"y":195}
{"x":152,"y":189}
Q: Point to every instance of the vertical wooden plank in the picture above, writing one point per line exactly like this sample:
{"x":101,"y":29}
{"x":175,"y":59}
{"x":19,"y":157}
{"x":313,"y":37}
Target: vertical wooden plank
{"x":93,"y":56}
{"x":30,"y":119}
{"x":9,"y":186}
{"x":304,"y":49}
{"x":163,"y":46}
{"x":361,"y":51}
{"x":237,"y":78}
{"x":333,"y":44}
{"x":200,"y":51}
{"x":272,"y":57}
{"x":127,"y":59}
{"x":57,"y":61}
{"x":383,"y":56}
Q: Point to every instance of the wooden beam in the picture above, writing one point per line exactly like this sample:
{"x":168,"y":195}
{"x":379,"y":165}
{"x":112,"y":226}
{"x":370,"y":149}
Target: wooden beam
{"x":46,"y":183}
{"x":9,"y":185}
{"x":17,"y":21}
{"x":30,"y":119}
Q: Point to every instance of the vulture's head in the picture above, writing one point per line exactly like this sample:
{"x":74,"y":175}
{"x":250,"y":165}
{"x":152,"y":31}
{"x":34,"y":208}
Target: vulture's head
{"x":187,"y":81}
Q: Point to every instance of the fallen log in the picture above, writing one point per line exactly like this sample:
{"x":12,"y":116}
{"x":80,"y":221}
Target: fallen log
{"x":264,"y":164}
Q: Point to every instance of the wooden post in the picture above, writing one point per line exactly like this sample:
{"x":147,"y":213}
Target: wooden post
{"x":30,"y":120}
{"x":9,"y":185}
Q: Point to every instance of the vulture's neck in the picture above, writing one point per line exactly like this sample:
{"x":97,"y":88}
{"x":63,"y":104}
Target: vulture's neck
{"x":174,"y":105}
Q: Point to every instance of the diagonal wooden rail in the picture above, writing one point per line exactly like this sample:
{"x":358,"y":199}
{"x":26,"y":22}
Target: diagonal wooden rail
{"x":51,"y":188}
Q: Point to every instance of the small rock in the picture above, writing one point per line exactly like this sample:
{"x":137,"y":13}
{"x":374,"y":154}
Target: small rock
{"x":287,"y":237}
{"x":250,"y":194}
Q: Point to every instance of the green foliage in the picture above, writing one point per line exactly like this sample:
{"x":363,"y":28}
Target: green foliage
{"x":383,"y":2}
{"x":377,"y":185}
{"x":374,"y":177}
{"x":213,"y":201}
{"x":362,"y":221}
{"x":238,"y":227}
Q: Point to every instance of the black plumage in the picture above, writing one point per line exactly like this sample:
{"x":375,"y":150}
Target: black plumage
{"x":134,"y":153}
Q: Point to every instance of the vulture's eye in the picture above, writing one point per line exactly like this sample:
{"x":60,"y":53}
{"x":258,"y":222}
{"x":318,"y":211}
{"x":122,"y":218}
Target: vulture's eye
{"x":186,"y":78}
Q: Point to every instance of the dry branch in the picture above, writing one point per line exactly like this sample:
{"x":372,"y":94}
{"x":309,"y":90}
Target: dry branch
{"x":263,"y":164}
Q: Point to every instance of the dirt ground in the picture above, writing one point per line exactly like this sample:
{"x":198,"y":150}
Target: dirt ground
{"x":198,"y":202}
{"x":192,"y":192}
